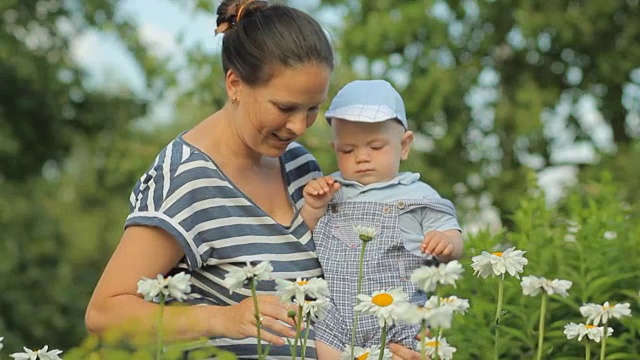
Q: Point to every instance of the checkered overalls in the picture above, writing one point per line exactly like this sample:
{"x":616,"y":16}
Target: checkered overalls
{"x":387,"y":264}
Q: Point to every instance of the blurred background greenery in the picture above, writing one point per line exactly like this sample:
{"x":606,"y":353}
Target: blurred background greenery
{"x":496,"y":90}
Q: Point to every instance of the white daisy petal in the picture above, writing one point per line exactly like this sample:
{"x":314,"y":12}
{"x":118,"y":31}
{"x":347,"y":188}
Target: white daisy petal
{"x":427,"y":278}
{"x":27,"y":354}
{"x":444,"y":350}
{"x":365,"y":233}
{"x":509,"y":261}
{"x":600,"y":314}
{"x":173,"y":287}
{"x":300,"y":289}
{"x":532,"y":286}
{"x":316,"y":309}
{"x":236,"y":278}
{"x":385,"y":305}
{"x":595,"y":333}
{"x":372,"y":353}
{"x":437,"y":316}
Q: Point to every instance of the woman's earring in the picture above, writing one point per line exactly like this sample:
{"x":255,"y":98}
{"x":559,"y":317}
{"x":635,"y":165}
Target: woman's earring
{"x":235,"y":101}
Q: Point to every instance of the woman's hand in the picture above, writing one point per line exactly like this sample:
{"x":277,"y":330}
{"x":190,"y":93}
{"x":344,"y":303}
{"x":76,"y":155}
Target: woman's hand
{"x":240,"y":321}
{"x":399,"y":352}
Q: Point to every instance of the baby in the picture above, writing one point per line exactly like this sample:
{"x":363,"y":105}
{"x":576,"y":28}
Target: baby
{"x":415,"y":226}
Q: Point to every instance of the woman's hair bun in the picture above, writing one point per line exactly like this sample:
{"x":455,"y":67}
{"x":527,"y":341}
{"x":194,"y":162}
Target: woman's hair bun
{"x":230,"y":12}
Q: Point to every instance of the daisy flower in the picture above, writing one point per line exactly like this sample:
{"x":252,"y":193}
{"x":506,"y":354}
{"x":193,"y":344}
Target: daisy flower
{"x":383,"y":304}
{"x":365,"y":233}
{"x":532,"y":286}
{"x":301,"y":288}
{"x":434,"y":316}
{"x":315,"y":309}
{"x":456,"y":304}
{"x":428,"y":277}
{"x":41,"y":354}
{"x":175,"y":287}
{"x":238,"y":277}
{"x":593,"y":332}
{"x":497,"y":263}
{"x":359,"y":353}
{"x":600,"y":314}
{"x":439,"y":345}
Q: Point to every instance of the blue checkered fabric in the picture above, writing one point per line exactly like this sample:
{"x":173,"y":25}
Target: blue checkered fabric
{"x":387,"y":264}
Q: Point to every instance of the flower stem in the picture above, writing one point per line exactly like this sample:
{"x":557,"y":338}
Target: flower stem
{"x":159,"y":338}
{"x":254,"y":295}
{"x":498,"y":315}
{"x":436,"y":353}
{"x":383,"y":341}
{"x":587,"y":354}
{"x":306,"y":337}
{"x":603,"y":345}
{"x":423,"y":347}
{"x":358,"y":290}
{"x":543,"y":310}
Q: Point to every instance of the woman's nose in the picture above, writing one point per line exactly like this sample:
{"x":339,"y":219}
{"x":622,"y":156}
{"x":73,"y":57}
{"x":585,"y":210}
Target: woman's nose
{"x":297,"y":124}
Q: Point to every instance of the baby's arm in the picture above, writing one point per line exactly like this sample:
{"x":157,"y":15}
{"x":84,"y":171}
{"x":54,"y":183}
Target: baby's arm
{"x":317,"y":194}
{"x":443,"y":245}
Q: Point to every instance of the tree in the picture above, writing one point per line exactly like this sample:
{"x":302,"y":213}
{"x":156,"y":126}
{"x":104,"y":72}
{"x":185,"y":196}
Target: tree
{"x":488,"y":83}
{"x":63,"y":196}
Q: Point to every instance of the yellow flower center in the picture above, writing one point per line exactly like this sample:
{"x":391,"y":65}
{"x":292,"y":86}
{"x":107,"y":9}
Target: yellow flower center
{"x":606,"y":308}
{"x":364,"y":356}
{"x":383,"y":299}
{"x":446,"y":300}
{"x":432,"y":343}
{"x":499,"y":253}
{"x":590,"y":326}
{"x":302,"y":282}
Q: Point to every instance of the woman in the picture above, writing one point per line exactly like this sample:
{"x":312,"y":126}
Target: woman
{"x":229,"y":190}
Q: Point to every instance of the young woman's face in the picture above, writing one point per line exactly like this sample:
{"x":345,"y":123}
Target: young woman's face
{"x":370,"y":152}
{"x":272,"y":115}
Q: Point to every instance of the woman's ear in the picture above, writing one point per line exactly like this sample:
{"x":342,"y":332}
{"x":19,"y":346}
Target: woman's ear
{"x":233,"y":83}
{"x":407,"y":140}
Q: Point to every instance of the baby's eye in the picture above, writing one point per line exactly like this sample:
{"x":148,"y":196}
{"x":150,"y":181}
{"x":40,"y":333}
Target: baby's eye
{"x":346,"y":151}
{"x":377,"y":146}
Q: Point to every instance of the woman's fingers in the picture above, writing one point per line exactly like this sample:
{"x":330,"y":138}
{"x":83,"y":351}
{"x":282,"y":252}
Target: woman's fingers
{"x":400,"y":352}
{"x":276,"y":327}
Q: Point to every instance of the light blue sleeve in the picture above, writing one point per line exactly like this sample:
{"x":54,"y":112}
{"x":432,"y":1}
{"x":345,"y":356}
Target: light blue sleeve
{"x":415,"y":223}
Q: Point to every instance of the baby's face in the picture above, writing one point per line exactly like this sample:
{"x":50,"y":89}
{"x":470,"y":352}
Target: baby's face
{"x":370,"y":152}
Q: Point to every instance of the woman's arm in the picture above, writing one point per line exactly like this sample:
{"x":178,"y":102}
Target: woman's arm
{"x":115,"y":304}
{"x":148,"y":251}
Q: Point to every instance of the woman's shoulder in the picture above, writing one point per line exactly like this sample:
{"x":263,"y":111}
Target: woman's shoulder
{"x":298,"y":159}
{"x":177,"y":158}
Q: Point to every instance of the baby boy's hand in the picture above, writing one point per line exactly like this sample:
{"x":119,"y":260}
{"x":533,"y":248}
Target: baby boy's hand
{"x":437,"y":243}
{"x":318,"y":192}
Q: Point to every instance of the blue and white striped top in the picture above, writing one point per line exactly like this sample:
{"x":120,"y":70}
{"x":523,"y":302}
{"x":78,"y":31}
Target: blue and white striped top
{"x":219,"y":228}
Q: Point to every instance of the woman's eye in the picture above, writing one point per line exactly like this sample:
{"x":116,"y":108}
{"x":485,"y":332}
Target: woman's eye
{"x":286,"y":109}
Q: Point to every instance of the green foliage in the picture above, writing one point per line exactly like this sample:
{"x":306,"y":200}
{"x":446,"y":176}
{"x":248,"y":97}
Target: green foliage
{"x":591,"y":239}
{"x":483,"y":80}
{"x":117,"y":349}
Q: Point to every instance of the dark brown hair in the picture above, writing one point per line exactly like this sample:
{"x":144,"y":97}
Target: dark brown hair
{"x":265,"y":36}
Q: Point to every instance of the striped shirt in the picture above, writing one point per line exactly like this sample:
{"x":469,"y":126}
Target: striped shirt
{"x":220,"y":229}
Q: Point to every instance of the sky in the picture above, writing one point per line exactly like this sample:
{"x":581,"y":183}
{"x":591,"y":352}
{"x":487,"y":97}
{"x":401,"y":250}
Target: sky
{"x":160,"y":22}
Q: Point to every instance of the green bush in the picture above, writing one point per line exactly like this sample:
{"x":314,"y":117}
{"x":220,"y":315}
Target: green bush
{"x":591,"y":238}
